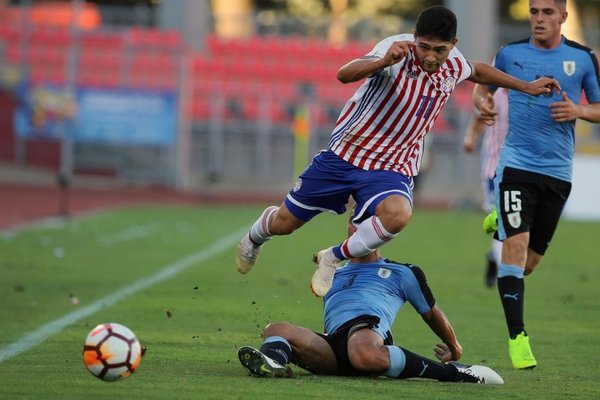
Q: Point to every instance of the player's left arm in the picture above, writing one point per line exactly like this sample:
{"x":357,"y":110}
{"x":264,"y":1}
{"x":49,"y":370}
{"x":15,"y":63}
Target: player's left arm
{"x":366,"y":66}
{"x":488,"y":75}
{"x":566,"y":110}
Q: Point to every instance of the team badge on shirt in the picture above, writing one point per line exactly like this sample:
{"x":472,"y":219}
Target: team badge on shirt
{"x":448,"y":84}
{"x":569,"y":67}
{"x":384,"y":273}
{"x":412,"y":75}
{"x":514,"y":219}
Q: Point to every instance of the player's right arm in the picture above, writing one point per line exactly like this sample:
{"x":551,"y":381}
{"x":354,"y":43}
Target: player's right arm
{"x":439,"y":324}
{"x":475,"y":129}
{"x":366,"y":66}
{"x":483,"y":100}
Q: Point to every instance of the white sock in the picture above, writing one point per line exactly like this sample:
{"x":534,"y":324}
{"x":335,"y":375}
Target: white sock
{"x":259,"y":232}
{"x":497,"y":251}
{"x":369,"y":235}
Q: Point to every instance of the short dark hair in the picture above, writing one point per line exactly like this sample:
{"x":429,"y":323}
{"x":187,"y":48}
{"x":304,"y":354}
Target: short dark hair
{"x":436,"y":22}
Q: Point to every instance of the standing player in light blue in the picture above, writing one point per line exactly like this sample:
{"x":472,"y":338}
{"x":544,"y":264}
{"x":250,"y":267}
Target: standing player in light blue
{"x":359,"y":310}
{"x":533,"y":179}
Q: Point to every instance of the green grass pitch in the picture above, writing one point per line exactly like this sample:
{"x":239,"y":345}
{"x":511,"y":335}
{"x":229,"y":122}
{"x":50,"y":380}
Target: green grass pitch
{"x":193,"y":318}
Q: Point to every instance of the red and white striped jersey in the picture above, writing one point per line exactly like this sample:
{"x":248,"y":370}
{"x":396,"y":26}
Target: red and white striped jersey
{"x":383,"y":125}
{"x":494,"y":135}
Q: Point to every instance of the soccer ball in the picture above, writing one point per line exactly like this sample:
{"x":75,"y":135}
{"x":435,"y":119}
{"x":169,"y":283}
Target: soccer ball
{"x":111,"y":352}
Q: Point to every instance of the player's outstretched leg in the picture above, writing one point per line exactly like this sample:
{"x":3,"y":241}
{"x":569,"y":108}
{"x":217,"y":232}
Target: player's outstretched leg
{"x":369,"y":236}
{"x":249,"y":247}
{"x":520,"y":352}
{"x":258,"y":364}
{"x":405,"y":364}
{"x":476,"y":374}
{"x":322,"y":278}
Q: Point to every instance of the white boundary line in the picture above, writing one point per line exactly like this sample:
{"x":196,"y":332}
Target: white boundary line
{"x":45,"y":331}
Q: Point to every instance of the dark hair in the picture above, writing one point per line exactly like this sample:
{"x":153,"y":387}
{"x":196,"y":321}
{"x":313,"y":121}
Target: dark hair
{"x":436,"y":22}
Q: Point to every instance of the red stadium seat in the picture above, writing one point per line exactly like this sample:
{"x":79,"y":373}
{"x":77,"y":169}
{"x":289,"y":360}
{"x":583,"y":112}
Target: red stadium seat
{"x":98,"y":41}
{"x":157,"y":38}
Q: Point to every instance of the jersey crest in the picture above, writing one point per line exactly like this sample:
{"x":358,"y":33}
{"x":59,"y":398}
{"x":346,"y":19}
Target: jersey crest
{"x":514,"y":219}
{"x":569,"y":67}
{"x":384,"y":273}
{"x":448,"y":84}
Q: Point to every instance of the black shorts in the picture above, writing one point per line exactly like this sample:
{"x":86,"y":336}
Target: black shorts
{"x":530,"y":202}
{"x":338,"y":341}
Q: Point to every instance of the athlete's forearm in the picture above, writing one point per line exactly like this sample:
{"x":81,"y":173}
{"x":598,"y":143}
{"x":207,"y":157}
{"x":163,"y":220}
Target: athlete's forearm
{"x":475,"y":129}
{"x":486,"y":74}
{"x":439,"y":324}
{"x":590,"y":112}
{"x":480,"y":95}
{"x":359,"y":69}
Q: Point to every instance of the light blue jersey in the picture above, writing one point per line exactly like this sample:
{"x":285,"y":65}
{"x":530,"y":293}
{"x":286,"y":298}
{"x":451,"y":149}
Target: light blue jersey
{"x":380,"y":289}
{"x":535,"y":142}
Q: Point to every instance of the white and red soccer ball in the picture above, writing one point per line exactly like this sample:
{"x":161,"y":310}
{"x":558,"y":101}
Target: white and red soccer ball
{"x":111,"y":352}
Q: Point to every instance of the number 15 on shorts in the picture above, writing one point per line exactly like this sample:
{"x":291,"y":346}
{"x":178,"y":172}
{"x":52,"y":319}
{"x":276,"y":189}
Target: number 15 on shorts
{"x":512,"y":201}
{"x":513,"y":207}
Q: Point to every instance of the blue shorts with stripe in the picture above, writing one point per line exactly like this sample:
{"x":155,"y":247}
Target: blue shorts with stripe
{"x":329,"y":180}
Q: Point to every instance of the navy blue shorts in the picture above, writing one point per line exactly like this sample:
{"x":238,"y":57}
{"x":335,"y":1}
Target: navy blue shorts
{"x":328,"y":182}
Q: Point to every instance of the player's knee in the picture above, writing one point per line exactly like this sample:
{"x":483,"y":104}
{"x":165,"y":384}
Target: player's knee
{"x":515,"y":250}
{"x":394,"y":213}
{"x":369,"y":359}
{"x":284,"y":223}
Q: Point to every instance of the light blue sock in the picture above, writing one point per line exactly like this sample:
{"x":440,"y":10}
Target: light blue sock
{"x":510,"y":270}
{"x":397,"y":362}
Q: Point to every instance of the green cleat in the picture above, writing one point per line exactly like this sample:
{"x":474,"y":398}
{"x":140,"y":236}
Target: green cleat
{"x":490,"y":222}
{"x":520,"y":352}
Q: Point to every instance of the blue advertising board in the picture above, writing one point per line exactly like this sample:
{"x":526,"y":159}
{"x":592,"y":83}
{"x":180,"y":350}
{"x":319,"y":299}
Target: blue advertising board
{"x":101,"y":116}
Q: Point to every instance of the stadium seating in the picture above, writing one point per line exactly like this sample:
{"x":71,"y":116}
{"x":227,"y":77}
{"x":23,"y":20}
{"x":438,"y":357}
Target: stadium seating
{"x":245,"y":72}
{"x":289,"y":69}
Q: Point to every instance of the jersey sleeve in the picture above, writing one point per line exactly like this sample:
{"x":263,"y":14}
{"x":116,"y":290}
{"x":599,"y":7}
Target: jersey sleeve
{"x":380,"y":48}
{"x":466,"y":69}
{"x":591,"y":81}
{"x":417,"y":292}
{"x":500,"y":60}
{"x":499,"y":63}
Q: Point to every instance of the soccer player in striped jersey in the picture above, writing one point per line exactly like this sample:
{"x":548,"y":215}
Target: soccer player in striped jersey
{"x":493,"y":138}
{"x":533,"y":178}
{"x":359,"y":312}
{"x":376,"y":146}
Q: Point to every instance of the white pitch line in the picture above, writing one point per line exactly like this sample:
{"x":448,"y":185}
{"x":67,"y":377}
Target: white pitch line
{"x":44,"y":332}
